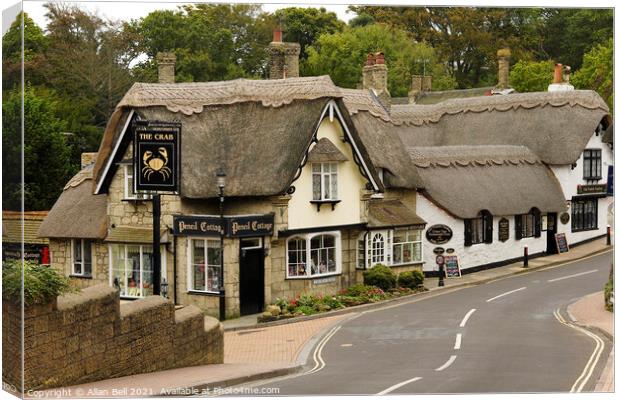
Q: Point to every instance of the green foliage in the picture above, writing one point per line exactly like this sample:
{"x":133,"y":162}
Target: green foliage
{"x":45,"y":152}
{"x":41,"y":284}
{"x":609,"y":292}
{"x":341,"y":56}
{"x":531,"y":76}
{"x":411,"y":279}
{"x":305,"y":25}
{"x":597,"y":72}
{"x":332,"y":302}
{"x":357,"y":290}
{"x":380,"y":276}
{"x":306,"y":310}
{"x":307,"y":300}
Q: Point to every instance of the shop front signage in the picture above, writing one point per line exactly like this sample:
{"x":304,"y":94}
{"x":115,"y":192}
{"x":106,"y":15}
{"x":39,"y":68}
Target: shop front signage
{"x":156,"y":156}
{"x":439,"y":234}
{"x":561,"y":243}
{"x":234,"y":226}
{"x":453,"y":269}
{"x":592,"y":189}
{"x":438,"y":250}
{"x":503,"y":229}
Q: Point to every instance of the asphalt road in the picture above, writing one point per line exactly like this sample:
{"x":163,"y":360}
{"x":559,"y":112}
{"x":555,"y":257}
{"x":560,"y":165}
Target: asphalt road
{"x":512,"y":342}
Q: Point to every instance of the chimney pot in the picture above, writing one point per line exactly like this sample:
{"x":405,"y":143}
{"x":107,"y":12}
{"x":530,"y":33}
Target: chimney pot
{"x":379,"y":58}
{"x":557,"y":75}
{"x":277,"y":35}
{"x":370,"y":59}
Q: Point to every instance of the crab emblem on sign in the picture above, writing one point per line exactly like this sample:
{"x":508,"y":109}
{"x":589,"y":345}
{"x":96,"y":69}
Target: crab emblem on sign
{"x":156,"y":163}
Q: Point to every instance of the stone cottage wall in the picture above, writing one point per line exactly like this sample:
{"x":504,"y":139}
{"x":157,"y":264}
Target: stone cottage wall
{"x":60,"y":250}
{"x":89,"y":336}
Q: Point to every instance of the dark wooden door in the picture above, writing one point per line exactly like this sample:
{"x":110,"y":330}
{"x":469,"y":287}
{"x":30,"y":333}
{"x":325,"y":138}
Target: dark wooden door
{"x":552,"y":229}
{"x":251,"y":280}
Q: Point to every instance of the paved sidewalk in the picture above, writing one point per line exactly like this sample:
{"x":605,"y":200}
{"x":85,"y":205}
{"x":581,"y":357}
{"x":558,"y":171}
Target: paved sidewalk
{"x":259,"y":351}
{"x":590,"y":312}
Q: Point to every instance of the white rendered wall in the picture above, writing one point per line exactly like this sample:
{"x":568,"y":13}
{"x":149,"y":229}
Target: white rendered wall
{"x":477,"y":254}
{"x":303,"y":214}
{"x":570,"y":178}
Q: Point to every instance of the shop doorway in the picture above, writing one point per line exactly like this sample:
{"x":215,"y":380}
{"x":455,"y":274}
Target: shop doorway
{"x":552,"y":229}
{"x":251,"y":275}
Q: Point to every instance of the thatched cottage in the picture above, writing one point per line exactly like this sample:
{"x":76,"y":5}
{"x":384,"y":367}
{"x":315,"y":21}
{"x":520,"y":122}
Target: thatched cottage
{"x":336,"y":180}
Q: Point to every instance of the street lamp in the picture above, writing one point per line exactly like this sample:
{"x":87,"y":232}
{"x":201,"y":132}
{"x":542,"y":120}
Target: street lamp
{"x":221,"y":184}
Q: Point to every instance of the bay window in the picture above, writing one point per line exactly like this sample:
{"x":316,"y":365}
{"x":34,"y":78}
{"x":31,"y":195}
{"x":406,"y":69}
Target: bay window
{"x":313,"y":255}
{"x":389,"y":247}
{"x":81,"y":258}
{"x":407,"y":246}
{"x":204,"y":265}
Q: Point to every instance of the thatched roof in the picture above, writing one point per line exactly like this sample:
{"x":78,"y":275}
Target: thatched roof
{"x":608,"y":135}
{"x":12,"y":222}
{"x":391,"y":213}
{"x":556,"y":126}
{"x":256,"y":131}
{"x":505,"y":180}
{"x":325,"y":151}
{"x":77,"y":213}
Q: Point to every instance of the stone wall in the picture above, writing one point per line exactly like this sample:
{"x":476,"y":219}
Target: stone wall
{"x":89,"y":336}
{"x":60,"y":251}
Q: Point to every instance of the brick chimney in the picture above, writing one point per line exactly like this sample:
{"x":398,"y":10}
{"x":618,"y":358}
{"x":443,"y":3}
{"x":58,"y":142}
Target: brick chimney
{"x":375,"y":77}
{"x":503,"y":63}
{"x":284,"y":57}
{"x":86,"y":159}
{"x":561,"y":78}
{"x":419,"y":85}
{"x":165,"y":67}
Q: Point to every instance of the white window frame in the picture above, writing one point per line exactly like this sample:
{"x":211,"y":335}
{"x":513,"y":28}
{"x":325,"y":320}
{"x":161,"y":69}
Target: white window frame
{"x":323,"y":176}
{"x":164,"y":269}
{"x":388,"y":251}
{"x":82,"y":262}
{"x":308,"y":239}
{"x":402,"y":244}
{"x":128,"y":193}
{"x":190,"y":264}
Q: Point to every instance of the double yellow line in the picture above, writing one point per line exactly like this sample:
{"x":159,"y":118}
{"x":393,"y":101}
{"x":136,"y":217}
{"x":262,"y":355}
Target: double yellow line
{"x":596,"y":354}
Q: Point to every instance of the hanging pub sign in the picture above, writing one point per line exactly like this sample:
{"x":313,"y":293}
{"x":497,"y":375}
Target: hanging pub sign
{"x":592,"y":189}
{"x":157,"y":164}
{"x":234,"y":226}
{"x":503,"y":229}
{"x":439,"y":234}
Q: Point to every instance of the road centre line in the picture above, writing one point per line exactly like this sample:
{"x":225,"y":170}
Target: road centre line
{"x":466,"y":317}
{"x":457,"y":343}
{"x":505,"y":294}
{"x":594,"y":358}
{"x":447,"y":364}
{"x":401,"y":384}
{"x":572,"y":276}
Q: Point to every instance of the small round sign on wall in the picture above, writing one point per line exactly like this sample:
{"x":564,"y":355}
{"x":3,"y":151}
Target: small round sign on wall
{"x":439,"y":260}
{"x":438,"y":250}
{"x":439,"y":234}
{"x":564,"y":218}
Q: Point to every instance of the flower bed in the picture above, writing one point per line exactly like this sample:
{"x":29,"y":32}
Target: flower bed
{"x":309,"y":304}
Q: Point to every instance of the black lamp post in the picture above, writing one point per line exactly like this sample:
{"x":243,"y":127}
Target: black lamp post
{"x":221,"y":184}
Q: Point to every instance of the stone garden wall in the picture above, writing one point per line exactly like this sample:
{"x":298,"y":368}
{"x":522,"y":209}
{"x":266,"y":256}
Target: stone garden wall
{"x":89,"y":336}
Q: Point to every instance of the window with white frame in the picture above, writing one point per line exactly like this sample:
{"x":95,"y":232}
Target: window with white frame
{"x":129,"y":193}
{"x":131,"y":267}
{"x":378,"y":254}
{"x":313,"y":255}
{"x":406,"y":246}
{"x":389,"y":247}
{"x":204,"y":265}
{"x":325,"y":181}
{"x":81,"y":257}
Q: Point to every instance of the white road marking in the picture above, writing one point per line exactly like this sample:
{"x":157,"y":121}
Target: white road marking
{"x":457,"y":343}
{"x":594,"y":358}
{"x":572,"y":276}
{"x":447,"y":364}
{"x":466,"y":317}
{"x":507,"y":293}
{"x":392,"y":388}
{"x":319,"y":363}
{"x":346,"y":345}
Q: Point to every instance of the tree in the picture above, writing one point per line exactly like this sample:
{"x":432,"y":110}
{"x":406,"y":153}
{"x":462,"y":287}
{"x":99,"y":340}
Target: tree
{"x":305,"y":25}
{"x":597,"y":72}
{"x":45,"y":153}
{"x":531,"y":76}
{"x":342,"y":55}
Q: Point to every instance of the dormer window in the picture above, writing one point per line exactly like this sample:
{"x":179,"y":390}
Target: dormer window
{"x":325,"y":181}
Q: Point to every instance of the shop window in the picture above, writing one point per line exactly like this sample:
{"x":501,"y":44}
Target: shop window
{"x":584,"y":215}
{"x":324,"y":181}
{"x":592,"y":164}
{"x":479,"y":229}
{"x":204,"y":263}
{"x":528,"y":225}
{"x":406,"y":246}
{"x":129,"y":193}
{"x":131,"y":268}
{"x":313,"y":255}
{"x":81,"y":258}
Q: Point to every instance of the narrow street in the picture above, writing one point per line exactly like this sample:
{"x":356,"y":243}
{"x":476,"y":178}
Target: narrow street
{"x":508,"y":335}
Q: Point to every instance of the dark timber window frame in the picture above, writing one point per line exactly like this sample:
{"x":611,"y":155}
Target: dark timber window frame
{"x":480,"y":229}
{"x":581,"y":218}
{"x":528,"y":225}
{"x":592,"y":164}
